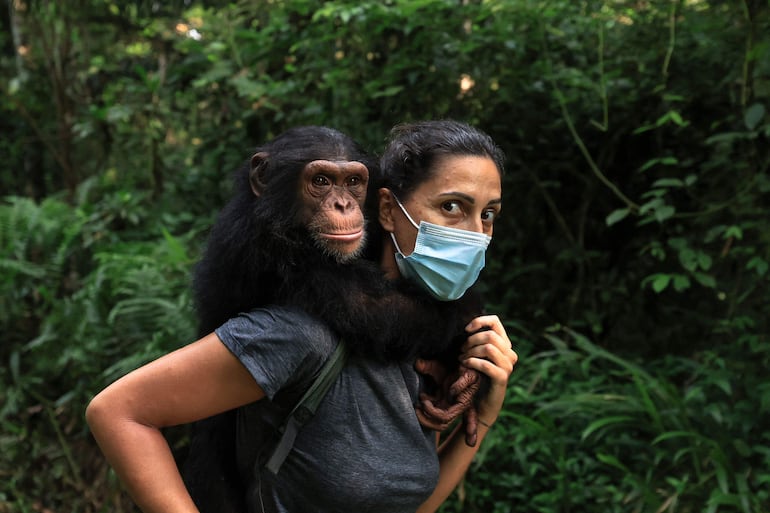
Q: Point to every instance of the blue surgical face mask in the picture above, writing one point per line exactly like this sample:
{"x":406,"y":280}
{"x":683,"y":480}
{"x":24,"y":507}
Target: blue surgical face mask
{"x":445,"y":261}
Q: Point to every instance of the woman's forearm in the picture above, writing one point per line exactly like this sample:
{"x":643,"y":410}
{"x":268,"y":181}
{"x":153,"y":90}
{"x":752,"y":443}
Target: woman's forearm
{"x":195,"y":382}
{"x":141,"y":458}
{"x":489,"y":352}
{"x":455,"y":456}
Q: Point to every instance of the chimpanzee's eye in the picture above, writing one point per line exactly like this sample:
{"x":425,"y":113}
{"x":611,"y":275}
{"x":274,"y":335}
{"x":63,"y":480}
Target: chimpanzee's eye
{"x":320,"y":181}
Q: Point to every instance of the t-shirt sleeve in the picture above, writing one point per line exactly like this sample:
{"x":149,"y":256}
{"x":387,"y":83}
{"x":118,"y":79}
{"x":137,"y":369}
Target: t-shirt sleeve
{"x":280,"y":347}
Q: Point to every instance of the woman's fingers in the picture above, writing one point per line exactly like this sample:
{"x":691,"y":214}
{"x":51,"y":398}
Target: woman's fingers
{"x":489,"y":351}
{"x":491,"y":343}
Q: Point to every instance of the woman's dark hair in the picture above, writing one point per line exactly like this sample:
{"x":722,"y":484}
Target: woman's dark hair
{"x":414,"y":148}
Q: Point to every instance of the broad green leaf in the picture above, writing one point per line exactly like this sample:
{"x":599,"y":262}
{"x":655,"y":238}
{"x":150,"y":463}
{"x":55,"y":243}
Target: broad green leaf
{"x":729,"y":137}
{"x":668,"y":182}
{"x":677,"y":243}
{"x":705,"y":279}
{"x":248,"y":88}
{"x":650,"y":205}
{"x":734,"y":231}
{"x":388,"y":91}
{"x":724,"y":385}
{"x":681,"y":282}
{"x":742,"y":448}
{"x":660,"y":282}
{"x":688,"y":259}
{"x":664,"y":212}
{"x":176,"y":249}
{"x":14,"y":85}
{"x":673,"y":97}
{"x":666,"y":161}
{"x":704,"y":261}
{"x":617,"y":216}
{"x":655,"y":193}
{"x":658,"y":252}
{"x":759,"y":265}
{"x":663,"y":119}
{"x":642,"y":129}
{"x":677,"y":118}
{"x":754,"y":115}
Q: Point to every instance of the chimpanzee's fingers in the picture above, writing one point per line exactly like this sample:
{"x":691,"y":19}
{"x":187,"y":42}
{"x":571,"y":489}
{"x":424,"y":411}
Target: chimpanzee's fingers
{"x":430,"y":421}
{"x":471,"y":421}
{"x":469,"y":378}
{"x":441,"y":413}
{"x":467,"y":395}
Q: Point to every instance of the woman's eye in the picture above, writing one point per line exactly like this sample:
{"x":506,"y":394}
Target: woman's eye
{"x":453,"y":207}
{"x":489,"y":216}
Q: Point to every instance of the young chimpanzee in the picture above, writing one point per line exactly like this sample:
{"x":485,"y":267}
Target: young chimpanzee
{"x":294,"y":233}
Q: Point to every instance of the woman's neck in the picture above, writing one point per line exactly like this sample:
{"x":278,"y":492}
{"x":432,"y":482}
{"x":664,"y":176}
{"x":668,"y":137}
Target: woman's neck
{"x":388,"y":260}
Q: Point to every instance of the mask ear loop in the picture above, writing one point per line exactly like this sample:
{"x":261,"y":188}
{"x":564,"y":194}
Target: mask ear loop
{"x":404,"y":211}
{"x":393,"y":237}
{"x":396,"y":244}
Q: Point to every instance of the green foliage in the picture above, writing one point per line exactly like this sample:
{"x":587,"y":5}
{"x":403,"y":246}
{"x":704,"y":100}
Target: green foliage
{"x":585,"y":429}
{"x":35,"y":244}
{"x":635,"y":212}
{"x":79,"y":310}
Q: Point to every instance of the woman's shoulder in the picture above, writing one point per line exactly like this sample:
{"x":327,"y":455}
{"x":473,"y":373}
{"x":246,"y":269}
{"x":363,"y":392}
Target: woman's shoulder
{"x":289,"y":327}
{"x":281,"y":316}
{"x":280,"y":346}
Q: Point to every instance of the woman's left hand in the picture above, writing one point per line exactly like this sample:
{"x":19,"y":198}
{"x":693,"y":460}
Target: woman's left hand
{"x":489,"y":350}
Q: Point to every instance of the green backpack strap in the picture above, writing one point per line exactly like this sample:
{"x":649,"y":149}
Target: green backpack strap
{"x":307,"y":406}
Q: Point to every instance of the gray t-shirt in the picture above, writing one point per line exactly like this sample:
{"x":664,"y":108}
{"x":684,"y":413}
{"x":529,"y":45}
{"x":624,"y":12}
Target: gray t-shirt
{"x":364,"y":451}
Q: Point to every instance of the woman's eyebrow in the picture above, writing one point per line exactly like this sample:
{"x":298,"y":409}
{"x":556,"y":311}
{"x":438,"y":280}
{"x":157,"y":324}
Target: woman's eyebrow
{"x":469,"y":199}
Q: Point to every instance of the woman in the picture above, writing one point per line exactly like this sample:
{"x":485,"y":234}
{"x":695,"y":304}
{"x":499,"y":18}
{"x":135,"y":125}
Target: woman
{"x":363,"y":451}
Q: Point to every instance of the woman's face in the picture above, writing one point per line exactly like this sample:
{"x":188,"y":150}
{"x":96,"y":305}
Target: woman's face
{"x":464,"y":193}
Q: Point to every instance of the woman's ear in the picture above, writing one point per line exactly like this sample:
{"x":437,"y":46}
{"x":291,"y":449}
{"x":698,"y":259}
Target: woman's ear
{"x":386,"y":209}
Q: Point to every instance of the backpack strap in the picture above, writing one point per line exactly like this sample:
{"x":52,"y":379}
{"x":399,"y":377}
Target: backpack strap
{"x":306,"y":407}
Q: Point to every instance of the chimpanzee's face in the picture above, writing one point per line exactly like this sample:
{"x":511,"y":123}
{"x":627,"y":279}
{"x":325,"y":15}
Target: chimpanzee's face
{"x":332,"y":195}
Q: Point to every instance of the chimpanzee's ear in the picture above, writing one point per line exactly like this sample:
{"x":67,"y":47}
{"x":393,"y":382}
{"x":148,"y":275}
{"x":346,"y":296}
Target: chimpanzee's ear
{"x":259,"y":163}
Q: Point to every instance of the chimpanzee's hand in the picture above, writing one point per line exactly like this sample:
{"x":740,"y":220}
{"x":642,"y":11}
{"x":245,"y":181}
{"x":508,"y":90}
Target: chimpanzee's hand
{"x":452,"y":396}
{"x":431,"y":412}
{"x":464,"y":391}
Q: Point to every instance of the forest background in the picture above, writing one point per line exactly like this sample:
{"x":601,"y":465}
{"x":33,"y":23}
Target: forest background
{"x":631,"y":264}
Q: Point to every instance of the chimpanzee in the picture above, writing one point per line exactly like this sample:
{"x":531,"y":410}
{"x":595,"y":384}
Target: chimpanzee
{"x":294,"y":233}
